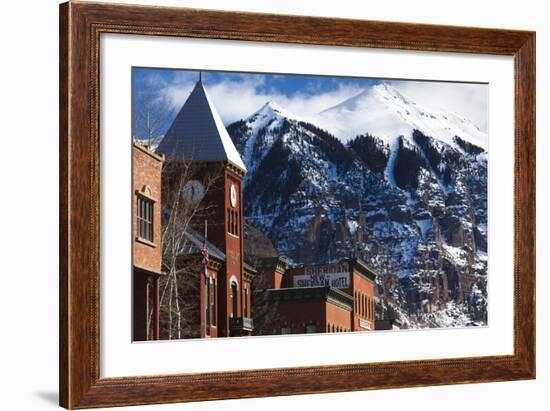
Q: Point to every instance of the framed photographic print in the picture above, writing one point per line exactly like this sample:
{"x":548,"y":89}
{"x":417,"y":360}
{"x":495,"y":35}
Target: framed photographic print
{"x":257,"y":205}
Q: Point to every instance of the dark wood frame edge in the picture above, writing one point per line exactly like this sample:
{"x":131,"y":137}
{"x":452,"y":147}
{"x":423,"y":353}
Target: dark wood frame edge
{"x":79,"y":382}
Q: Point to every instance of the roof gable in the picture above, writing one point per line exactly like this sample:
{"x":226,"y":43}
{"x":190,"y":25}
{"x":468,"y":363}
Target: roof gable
{"x":198,"y":133}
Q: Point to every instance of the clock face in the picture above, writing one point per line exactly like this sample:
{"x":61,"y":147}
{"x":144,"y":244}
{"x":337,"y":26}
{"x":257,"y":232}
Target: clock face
{"x":193,"y":192}
{"x":233,"y":195}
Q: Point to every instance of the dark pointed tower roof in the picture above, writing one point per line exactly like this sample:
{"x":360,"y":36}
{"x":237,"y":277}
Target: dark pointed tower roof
{"x":198,"y":133}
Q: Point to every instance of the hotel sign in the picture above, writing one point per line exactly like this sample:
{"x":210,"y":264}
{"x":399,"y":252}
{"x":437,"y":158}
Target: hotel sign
{"x":333,"y":275}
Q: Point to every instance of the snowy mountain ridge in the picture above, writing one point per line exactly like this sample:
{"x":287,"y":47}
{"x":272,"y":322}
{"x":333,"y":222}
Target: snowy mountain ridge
{"x":386,"y":113}
{"x":414,"y":207}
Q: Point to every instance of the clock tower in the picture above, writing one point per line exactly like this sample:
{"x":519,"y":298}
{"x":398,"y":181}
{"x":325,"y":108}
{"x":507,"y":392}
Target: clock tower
{"x":198,"y":137}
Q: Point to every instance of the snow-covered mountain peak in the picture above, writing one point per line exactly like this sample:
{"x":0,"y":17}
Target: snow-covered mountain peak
{"x":270,"y":110}
{"x":386,"y":91}
{"x":259,"y":131}
{"x":364,"y":99}
{"x":385,"y":112}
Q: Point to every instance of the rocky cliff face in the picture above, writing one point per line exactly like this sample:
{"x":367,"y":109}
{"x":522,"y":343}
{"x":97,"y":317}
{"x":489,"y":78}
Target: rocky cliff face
{"x":414,"y":206}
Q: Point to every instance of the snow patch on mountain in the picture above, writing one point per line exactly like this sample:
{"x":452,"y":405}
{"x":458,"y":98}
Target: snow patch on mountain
{"x":386,"y":113}
{"x":390,"y":176}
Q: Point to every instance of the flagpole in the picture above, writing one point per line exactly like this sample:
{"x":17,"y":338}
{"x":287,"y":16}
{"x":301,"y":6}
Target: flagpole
{"x":206,"y":285}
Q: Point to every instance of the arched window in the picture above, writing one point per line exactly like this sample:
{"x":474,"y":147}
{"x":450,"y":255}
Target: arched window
{"x":234,"y":299}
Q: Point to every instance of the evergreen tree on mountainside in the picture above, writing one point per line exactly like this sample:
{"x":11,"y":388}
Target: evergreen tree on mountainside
{"x":407,"y":166}
{"x":371,"y":151}
{"x":331,"y":146}
{"x":468,"y":147}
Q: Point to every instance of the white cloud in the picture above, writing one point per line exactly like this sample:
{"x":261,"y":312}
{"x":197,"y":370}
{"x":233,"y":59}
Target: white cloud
{"x":467,"y":100}
{"x":237,"y":99}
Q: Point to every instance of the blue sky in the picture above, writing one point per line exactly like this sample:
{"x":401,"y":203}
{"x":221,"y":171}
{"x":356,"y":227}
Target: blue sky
{"x":238,"y":95}
{"x":277,"y":84}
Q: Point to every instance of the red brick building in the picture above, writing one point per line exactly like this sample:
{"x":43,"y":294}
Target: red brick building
{"x":309,"y":310}
{"x":338,"y":297}
{"x":147,"y":253}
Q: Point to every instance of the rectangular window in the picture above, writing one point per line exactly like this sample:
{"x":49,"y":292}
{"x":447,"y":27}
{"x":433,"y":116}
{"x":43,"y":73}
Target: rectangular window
{"x":214,"y":296}
{"x":145,"y":218}
{"x":233,"y":222}
{"x":368,"y":308}
{"x":245,"y":312}
{"x":207,"y":305}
